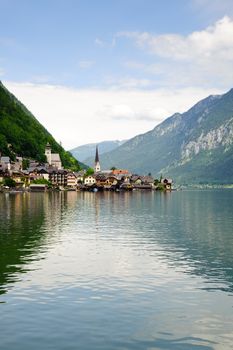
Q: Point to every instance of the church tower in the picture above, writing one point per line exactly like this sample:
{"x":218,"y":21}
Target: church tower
{"x":48,"y":153}
{"x":97,"y":161}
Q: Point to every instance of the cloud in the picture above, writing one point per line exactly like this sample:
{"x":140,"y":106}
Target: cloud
{"x":42,"y":79}
{"x":99,"y":42}
{"x":79,"y":116}
{"x":201,"y":45}
{"x":128,"y":83}
{"x":205,"y":55}
{"x":86,"y":64}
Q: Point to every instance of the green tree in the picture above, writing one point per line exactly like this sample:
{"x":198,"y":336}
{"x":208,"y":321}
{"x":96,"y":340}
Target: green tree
{"x":9,"y":182}
{"x":41,"y":182}
{"x":26,"y":163}
{"x":89,"y":171}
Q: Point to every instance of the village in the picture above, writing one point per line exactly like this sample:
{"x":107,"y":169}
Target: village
{"x":14,"y":176}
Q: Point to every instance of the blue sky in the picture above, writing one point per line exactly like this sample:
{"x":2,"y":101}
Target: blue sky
{"x":130,"y":61}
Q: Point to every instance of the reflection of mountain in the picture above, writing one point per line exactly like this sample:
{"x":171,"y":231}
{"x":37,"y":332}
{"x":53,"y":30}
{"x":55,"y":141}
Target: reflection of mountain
{"x":25,"y":223}
{"x":21,"y":219}
{"x":189,"y":230}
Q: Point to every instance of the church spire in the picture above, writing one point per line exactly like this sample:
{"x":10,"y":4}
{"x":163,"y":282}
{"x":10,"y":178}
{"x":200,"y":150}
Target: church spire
{"x":97,"y":161}
{"x":97,"y":155}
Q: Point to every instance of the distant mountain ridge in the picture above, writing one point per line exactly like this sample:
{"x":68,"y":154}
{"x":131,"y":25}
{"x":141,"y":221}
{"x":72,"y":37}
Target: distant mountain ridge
{"x":86,"y":153}
{"x":22,"y":134}
{"x":192,"y":147}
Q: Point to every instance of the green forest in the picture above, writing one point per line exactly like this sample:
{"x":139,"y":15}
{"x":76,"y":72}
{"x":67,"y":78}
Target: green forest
{"x":21,"y":133}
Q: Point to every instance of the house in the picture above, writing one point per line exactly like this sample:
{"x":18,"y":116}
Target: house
{"x":43,"y":173}
{"x":5,"y":164}
{"x":80,"y":176}
{"x":122,"y":172}
{"x":19,"y":178}
{"x":71,"y":180}
{"x":58,"y":177}
{"x":39,"y":172}
{"x":136,"y":179}
{"x":167,"y":184}
{"x":18,"y":164}
{"x":112,"y":180}
{"x":89,"y":180}
{"x":100,"y":179}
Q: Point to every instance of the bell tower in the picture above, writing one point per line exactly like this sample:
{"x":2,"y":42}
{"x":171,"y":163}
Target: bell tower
{"x":97,"y":161}
{"x":48,"y":151}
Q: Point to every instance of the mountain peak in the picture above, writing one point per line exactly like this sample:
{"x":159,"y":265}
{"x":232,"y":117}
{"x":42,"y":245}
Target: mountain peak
{"x":192,"y":147}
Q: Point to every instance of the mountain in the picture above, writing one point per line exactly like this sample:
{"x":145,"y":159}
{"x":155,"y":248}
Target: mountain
{"x":25,"y":135}
{"x":193,"y":147}
{"x":86,"y":153}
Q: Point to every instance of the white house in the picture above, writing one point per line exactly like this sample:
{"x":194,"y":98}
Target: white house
{"x":71,"y":180}
{"x":5,"y":163}
{"x":89,"y":180}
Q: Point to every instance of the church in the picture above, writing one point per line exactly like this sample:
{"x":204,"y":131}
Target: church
{"x":97,"y":161}
{"x":53,"y":159}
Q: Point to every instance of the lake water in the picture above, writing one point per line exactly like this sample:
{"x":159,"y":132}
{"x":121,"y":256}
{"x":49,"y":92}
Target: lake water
{"x":140,"y":270}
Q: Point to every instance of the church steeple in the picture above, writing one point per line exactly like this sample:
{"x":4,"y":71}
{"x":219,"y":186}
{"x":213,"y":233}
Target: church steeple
{"x":48,"y":154}
{"x":97,"y":155}
{"x":97,"y":161}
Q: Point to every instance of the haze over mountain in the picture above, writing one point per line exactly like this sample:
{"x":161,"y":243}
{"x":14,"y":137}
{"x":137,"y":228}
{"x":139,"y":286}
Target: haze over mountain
{"x":22,"y":134}
{"x":193,"y":147}
{"x":86,"y":153}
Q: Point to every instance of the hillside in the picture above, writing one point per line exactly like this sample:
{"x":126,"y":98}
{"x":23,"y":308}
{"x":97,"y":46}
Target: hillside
{"x":86,"y":153}
{"x":27,"y":137}
{"x":193,"y":147}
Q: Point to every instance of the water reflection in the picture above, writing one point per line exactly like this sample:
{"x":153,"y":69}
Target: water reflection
{"x":25,"y":225}
{"x":117,"y":270}
{"x":191,"y":231}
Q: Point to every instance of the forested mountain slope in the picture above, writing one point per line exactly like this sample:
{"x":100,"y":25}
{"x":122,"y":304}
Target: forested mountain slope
{"x":193,"y":147}
{"x":25,"y":135}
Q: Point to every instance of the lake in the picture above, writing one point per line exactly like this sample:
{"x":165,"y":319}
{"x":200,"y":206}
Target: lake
{"x":138,"y":270}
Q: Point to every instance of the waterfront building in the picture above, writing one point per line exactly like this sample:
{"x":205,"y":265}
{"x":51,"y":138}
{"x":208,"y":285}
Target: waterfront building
{"x":89,"y":180}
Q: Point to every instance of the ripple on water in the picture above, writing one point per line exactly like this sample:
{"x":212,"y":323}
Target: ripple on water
{"x":116,"y":271}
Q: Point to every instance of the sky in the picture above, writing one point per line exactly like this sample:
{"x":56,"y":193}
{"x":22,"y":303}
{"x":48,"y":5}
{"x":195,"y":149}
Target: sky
{"x":111,"y":69}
